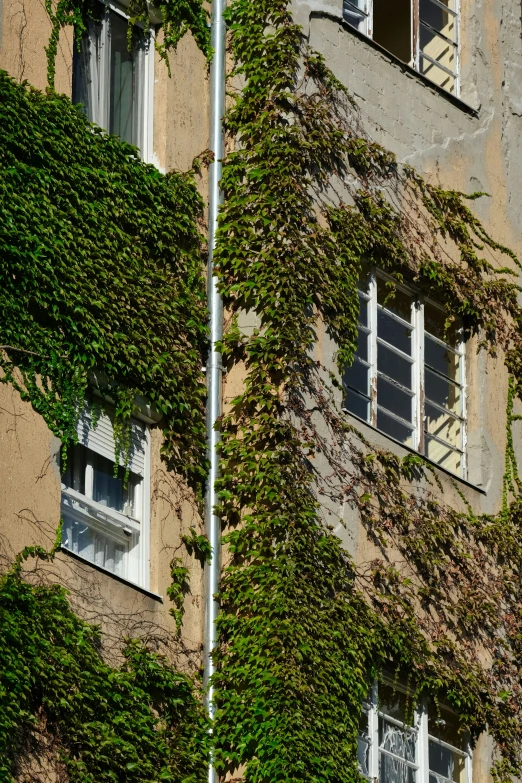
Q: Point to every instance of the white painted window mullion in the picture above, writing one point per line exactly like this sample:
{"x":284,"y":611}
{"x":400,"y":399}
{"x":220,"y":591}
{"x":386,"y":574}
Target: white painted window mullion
{"x":89,"y":476}
{"x":369,"y":19}
{"x":419,"y":375}
{"x":373,"y":732}
{"x":461,"y":347}
{"x":422,"y":754}
{"x":372,"y":288}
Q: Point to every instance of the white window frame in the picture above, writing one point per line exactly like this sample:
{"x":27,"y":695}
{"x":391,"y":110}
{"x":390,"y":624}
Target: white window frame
{"x":134,"y":533}
{"x":145,"y":110}
{"x":418,"y":729}
{"x":418,"y":365}
{"x":365,"y":9}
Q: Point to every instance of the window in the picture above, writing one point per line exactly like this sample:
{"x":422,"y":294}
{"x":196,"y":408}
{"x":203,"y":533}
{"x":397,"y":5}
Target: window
{"x":432,"y":750}
{"x":105,"y":519}
{"x":422,"y":33}
{"x":112,"y":83}
{"x":407,"y":378}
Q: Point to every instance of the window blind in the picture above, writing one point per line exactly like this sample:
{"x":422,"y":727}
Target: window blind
{"x":100,"y":439}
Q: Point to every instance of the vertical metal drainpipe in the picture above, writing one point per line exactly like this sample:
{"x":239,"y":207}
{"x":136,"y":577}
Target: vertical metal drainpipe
{"x":214,"y":367}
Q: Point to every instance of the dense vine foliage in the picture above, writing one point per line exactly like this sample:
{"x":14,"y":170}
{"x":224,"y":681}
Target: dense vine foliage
{"x":304,"y":629}
{"x":62,"y":705}
{"x":101,"y":274}
{"x":101,"y":284}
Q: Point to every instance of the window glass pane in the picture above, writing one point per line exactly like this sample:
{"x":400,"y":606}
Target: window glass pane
{"x":394,"y":332}
{"x":434,"y":320}
{"x":110,"y":490}
{"x":394,"y":399}
{"x":437,"y":75}
{"x":358,"y":377}
{"x":86,"y":73}
{"x":393,"y":428}
{"x":363,"y":756}
{"x":444,"y":724}
{"x":123,"y":76}
{"x":363,"y":745}
{"x":394,"y":771}
{"x":362,"y":344}
{"x":393,"y":700}
{"x":363,"y":310}
{"x":396,"y":301}
{"x":90,"y":543}
{"x":434,"y":15}
{"x":445,"y":762}
{"x":393,"y":365}
{"x":437,"y":48}
{"x":397,"y":740}
{"x":357,"y":404}
{"x":443,"y":392}
{"x":443,"y":455}
{"x":354,"y":14}
{"x":443,"y":426}
{"x":442,"y":358}
{"x":74,"y":476}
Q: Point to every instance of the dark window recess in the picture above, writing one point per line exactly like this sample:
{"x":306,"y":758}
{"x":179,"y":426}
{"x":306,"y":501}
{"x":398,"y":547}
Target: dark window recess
{"x":392,"y":27}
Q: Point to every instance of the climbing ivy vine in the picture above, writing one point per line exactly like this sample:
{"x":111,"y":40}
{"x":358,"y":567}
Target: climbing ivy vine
{"x":101,"y":274}
{"x":64,"y":708}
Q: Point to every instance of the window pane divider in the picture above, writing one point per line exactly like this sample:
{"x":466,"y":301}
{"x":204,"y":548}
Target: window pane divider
{"x":442,"y":343}
{"x":441,"y":777}
{"x":396,"y":722}
{"x":410,"y":764}
{"x":447,"y":745}
{"x":439,"y":65}
{"x":395,"y":317}
{"x":92,"y":506}
{"x":442,"y":409}
{"x":443,"y":442}
{"x":444,"y":7}
{"x":443,"y":375}
{"x":409,"y":424}
{"x":395,"y":383}
{"x":395,"y":350}
{"x":436,"y":32}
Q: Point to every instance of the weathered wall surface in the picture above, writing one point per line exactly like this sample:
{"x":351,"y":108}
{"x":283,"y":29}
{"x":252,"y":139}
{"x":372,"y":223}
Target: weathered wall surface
{"x":469,"y":145}
{"x":24,"y":32}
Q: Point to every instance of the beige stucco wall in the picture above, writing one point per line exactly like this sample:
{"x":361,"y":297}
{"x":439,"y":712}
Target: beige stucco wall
{"x":24,"y":32}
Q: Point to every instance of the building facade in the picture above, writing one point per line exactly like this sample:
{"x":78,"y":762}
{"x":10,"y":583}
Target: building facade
{"x":437,"y":82}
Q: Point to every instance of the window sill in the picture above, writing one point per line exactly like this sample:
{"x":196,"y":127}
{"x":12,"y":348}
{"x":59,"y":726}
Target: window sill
{"x":417,"y":453}
{"x":121,"y":579}
{"x":458,"y":102}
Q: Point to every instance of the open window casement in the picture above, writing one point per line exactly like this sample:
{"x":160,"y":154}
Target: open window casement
{"x":422,"y":33}
{"x":113,"y":84}
{"x":399,"y":745}
{"x":106,"y":517}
